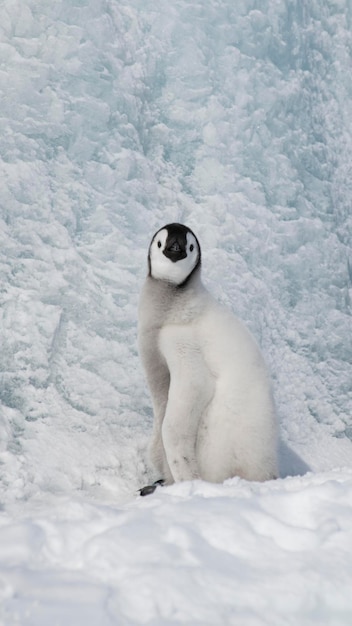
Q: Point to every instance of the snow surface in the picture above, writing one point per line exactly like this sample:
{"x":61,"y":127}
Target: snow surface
{"x":117,"y":117}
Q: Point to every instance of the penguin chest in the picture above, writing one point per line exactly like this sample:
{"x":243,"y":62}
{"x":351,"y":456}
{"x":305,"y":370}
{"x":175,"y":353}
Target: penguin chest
{"x":181,"y":348}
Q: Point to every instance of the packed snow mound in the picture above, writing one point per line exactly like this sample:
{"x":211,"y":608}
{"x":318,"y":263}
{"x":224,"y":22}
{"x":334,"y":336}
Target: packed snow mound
{"x":193,"y":553}
{"x":116,"y":118}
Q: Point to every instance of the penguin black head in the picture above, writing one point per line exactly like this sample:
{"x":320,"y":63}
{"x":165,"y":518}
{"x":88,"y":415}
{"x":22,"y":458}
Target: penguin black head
{"x":174,"y":254}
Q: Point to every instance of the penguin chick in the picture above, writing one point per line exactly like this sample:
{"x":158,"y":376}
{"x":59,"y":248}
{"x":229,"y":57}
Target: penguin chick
{"x":214,"y":415}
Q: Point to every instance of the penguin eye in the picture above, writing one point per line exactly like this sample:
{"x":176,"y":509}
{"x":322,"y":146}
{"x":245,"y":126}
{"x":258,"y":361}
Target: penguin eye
{"x":159,"y":244}
{"x":191,"y":247}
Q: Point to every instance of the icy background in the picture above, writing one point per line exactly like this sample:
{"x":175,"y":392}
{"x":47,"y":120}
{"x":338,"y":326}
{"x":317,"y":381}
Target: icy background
{"x":117,"y":117}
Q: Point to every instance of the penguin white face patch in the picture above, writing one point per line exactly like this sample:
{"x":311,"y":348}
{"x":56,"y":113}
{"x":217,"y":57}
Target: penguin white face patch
{"x":173,"y":254}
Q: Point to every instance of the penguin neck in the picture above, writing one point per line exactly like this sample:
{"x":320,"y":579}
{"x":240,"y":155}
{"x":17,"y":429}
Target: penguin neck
{"x":170,"y":301}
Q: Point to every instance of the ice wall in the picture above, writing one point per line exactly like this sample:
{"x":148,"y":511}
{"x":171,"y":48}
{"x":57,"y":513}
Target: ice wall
{"x":117,"y":117}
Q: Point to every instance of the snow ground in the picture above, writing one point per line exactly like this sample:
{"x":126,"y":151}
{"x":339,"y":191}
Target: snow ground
{"x":115,"y":118}
{"x":196,"y":553}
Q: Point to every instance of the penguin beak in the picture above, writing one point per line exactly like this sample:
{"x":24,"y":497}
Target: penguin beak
{"x":175,"y":251}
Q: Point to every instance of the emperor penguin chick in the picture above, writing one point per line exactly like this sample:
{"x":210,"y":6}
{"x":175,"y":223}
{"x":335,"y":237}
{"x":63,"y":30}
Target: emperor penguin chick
{"x":214,"y":415}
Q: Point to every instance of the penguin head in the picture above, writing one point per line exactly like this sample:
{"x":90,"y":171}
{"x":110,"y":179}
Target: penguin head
{"x":174,"y":254}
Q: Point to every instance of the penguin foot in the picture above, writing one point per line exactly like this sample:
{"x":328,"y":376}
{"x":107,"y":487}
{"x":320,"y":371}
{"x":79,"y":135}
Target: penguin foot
{"x":148,"y":489}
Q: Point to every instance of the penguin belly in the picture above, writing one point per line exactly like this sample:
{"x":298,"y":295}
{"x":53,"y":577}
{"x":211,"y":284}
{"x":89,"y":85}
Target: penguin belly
{"x":237,"y":432}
